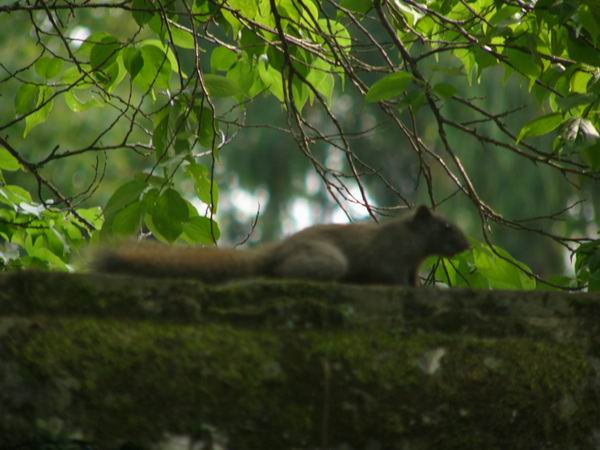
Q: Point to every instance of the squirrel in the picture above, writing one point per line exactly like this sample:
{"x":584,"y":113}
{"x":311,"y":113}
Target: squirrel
{"x":361,"y":253}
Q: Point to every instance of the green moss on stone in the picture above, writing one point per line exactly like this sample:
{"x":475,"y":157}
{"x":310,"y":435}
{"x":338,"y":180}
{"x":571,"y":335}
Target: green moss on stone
{"x":140,"y":379}
{"x":296,"y":365}
{"x":137,"y":380}
{"x":482,"y":392}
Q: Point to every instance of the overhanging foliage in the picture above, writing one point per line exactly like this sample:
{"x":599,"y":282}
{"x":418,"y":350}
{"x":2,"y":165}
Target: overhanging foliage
{"x":175,"y":77}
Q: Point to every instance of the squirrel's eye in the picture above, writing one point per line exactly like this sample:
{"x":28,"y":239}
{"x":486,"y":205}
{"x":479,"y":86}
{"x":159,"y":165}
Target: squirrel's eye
{"x":447,"y":226}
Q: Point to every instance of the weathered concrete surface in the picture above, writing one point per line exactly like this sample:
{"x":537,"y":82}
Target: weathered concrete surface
{"x":277,"y":365}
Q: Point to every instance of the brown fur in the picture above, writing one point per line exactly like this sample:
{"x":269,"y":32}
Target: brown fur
{"x":355,"y":253}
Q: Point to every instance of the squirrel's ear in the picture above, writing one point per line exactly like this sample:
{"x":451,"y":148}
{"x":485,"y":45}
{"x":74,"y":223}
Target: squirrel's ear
{"x":422,"y":213}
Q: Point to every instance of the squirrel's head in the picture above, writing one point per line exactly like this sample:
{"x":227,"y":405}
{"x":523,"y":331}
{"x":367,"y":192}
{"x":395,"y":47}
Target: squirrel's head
{"x":442,"y":237}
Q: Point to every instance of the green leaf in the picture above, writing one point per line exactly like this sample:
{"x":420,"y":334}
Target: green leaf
{"x":182,"y":145}
{"x":164,"y":49}
{"x":172,"y":32}
{"x":232,"y":21}
{"x":55,"y":241}
{"x":271,"y":77}
{"x":13,"y":195}
{"x":201,"y":10}
{"x":523,"y":62}
{"x":288,"y":11}
{"x":127,"y":220}
{"x":338,"y":31}
{"x":112,"y":75}
{"x":359,"y":6}
{"x":92,"y":215}
{"x":106,"y":59}
{"x":540,"y":126}
{"x":505,"y":16}
{"x":587,"y":264}
{"x":47,"y":67}
{"x":454,"y":273}
{"x":221,"y":59}
{"x":75,"y":104}
{"x":415,"y":98}
{"x":276,"y":58}
{"x":583,"y":254}
{"x":591,"y":155}
{"x":8,"y":162}
{"x":483,"y":59}
{"x":104,"y":51}
{"x":150,"y":196}
{"x":160,"y":137}
{"x":197,"y":230}
{"x":149,"y":224}
{"x":73,"y":233}
{"x":483,"y":267}
{"x":413,"y":15}
{"x":251,"y":43}
{"x":559,"y":280}
{"x":468,"y":60}
{"x":206,"y":188}
{"x":126,"y":195}
{"x":142,"y":17}
{"x":133,"y":60}
{"x":220,"y":86}
{"x":582,"y":52}
{"x":428,"y":26}
{"x":182,"y":38}
{"x":73,"y":76}
{"x":169,"y":214}
{"x":444,"y":90}
{"x":575,"y":100}
{"x":248,"y":8}
{"x":501,"y":274}
{"x":206,"y":131}
{"x":245,"y":74}
{"x":590,"y":21}
{"x":26,"y":98}
{"x":156,"y":70}
{"x":45,"y":255}
{"x":579,"y":81}
{"x":41,"y":115}
{"x":321,"y":78}
{"x":300,"y":91}
{"x":389,"y":87}
{"x":501,"y":271}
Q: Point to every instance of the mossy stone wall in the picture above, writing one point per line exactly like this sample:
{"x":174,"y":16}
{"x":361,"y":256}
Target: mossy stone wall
{"x":276,"y":365}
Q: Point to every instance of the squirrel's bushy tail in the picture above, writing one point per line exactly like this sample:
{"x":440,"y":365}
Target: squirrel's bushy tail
{"x":158,"y":260}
